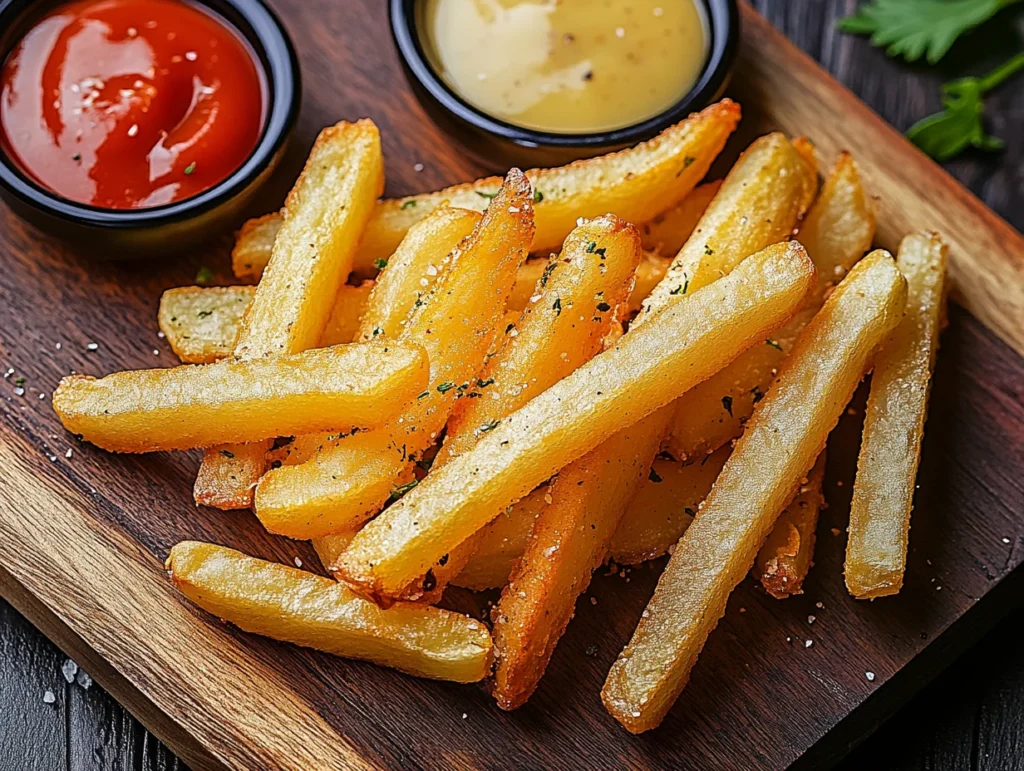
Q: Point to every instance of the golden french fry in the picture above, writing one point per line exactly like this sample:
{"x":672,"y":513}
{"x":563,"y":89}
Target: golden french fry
{"x":838,"y":230}
{"x":883,"y":492}
{"x":649,"y":366}
{"x":503,"y":544}
{"x":668,"y":231}
{"x":563,"y":326}
{"x":455,"y":324}
{"x":414,"y":268}
{"x":635,"y":184}
{"x":785,"y":434}
{"x":760,"y":203}
{"x":254,"y":245}
{"x":569,"y":539}
{"x":201,"y":324}
{"x":349,"y":305}
{"x":291,"y":605}
{"x":663,"y":508}
{"x":361,"y":385}
{"x":327,"y":211}
{"x":652,"y":522}
{"x":783,"y":561}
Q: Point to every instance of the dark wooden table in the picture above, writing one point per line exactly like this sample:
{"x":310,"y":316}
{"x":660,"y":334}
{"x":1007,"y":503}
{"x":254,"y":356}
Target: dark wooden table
{"x":972,"y":716}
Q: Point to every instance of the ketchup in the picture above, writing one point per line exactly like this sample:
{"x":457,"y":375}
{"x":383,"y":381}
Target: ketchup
{"x":127,"y":104}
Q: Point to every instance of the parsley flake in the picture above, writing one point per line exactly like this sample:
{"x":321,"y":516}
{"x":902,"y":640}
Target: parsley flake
{"x":445,"y":387}
{"x":190,"y":168}
{"x":401,"y":490}
{"x":204,"y":276}
{"x":407,"y":204}
{"x":558,"y":306}
{"x":380,"y":263}
{"x":489,"y":426}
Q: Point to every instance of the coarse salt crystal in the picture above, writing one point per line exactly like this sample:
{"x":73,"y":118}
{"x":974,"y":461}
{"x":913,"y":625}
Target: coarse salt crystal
{"x":1006,"y":540}
{"x":83,"y":679}
{"x":92,"y":346}
{"x":19,"y":391}
{"x":870,"y":676}
{"x":811,"y":619}
{"x":417,"y":167}
{"x":69,"y":669}
{"x":513,"y":210}
{"x":49,"y":697}
{"x":808,"y":643}
{"x":620,"y":32}
{"x":69,"y":453}
{"x":298,"y":562}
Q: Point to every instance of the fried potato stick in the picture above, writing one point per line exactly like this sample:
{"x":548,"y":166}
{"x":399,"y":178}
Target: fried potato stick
{"x":327,"y":211}
{"x":883,"y":491}
{"x":291,"y":605}
{"x":784,"y":436}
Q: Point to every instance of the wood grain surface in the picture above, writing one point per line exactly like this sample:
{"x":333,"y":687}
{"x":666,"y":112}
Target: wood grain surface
{"x":82,"y":539}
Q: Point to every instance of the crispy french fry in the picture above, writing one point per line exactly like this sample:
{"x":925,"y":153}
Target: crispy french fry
{"x":291,"y":605}
{"x":563,"y":327}
{"x":349,"y":305}
{"x":783,"y":561}
{"x":455,"y":323}
{"x":783,"y":437}
{"x":668,"y":231}
{"x":651,"y":365}
{"x":883,"y":492}
{"x":635,"y":184}
{"x":838,"y":230}
{"x":254,"y":245}
{"x":760,"y":203}
{"x":360,"y":385}
{"x":414,"y":268}
{"x":201,"y":323}
{"x":569,"y":539}
{"x":327,"y":210}
{"x":663,"y":508}
{"x":652,"y":522}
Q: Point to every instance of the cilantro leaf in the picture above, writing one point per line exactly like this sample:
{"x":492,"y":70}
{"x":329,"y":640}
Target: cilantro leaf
{"x":912,"y":28}
{"x":945,"y":134}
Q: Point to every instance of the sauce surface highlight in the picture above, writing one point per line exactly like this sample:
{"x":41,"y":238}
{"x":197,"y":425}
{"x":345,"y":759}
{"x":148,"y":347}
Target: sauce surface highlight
{"x":567,"y":66}
{"x":126,"y":104}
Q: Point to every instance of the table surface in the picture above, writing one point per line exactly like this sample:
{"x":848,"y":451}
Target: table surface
{"x":972,"y":716}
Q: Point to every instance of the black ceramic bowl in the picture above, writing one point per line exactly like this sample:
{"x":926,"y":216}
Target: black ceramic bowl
{"x":128,"y":234}
{"x":499,"y":144}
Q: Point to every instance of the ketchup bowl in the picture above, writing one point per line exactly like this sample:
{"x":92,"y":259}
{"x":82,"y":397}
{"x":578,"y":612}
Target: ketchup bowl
{"x":140,"y":127}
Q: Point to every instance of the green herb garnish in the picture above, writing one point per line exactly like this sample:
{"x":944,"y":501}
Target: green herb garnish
{"x":558,"y":306}
{"x":912,"y":28}
{"x":445,"y":387}
{"x":538,"y":196}
{"x":489,"y":426}
{"x":190,"y":168}
{"x":380,"y":263}
{"x":945,"y":134}
{"x":407,"y":204}
{"x":401,"y":490}
{"x":488,"y":196}
{"x":204,"y":276}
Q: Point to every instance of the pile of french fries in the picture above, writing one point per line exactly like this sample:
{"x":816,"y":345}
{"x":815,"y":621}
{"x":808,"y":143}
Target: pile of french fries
{"x":410,"y":389}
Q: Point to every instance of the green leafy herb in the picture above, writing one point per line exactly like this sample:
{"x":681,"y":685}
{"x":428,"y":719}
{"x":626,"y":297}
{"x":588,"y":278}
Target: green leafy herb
{"x":485,"y":383}
{"x":409,"y":203}
{"x":681,"y":289}
{"x":947,"y":133}
{"x":489,"y":426}
{"x":591,"y":247}
{"x":773,"y":344}
{"x":378,"y":331}
{"x":204,"y":276}
{"x":688,"y":510}
{"x":654,"y":476}
{"x":538,"y":196}
{"x":423,"y":395}
{"x":227,"y":453}
{"x":19,"y":381}
{"x":558,"y":306}
{"x":445,"y":387}
{"x":380,"y":263}
{"x":401,"y":490}
{"x":757,"y":393}
{"x":488,"y":196}
{"x":727,"y":403}
{"x":548,"y":270}
{"x":204,"y":314}
{"x":912,"y":28}
{"x":190,"y":168}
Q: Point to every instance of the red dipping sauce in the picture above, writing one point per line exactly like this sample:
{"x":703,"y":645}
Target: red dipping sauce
{"x":127,"y":104}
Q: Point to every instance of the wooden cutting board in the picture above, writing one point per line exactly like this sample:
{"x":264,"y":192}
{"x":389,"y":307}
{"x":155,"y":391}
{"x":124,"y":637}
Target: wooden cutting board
{"x":83,"y":534}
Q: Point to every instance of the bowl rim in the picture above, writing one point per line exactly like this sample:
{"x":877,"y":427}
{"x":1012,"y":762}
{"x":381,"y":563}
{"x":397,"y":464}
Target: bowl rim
{"x":276,"y":56}
{"x":723,"y":21}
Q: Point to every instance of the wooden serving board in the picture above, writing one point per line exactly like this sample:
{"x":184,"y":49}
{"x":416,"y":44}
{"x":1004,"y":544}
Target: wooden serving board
{"x":83,"y":534}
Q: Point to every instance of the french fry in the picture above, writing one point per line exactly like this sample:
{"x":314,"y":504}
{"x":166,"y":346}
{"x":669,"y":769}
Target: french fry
{"x":664,"y":507}
{"x":635,"y":184}
{"x":343,"y":325}
{"x":563,"y":327}
{"x":760,"y":202}
{"x":649,"y":366}
{"x":291,"y":605}
{"x":838,"y":230}
{"x":783,"y":437}
{"x":416,"y":265}
{"x":883,"y":492}
{"x":785,"y":557}
{"x":653,"y":521}
{"x":668,"y":231}
{"x":455,"y":323}
{"x":327,"y":210}
{"x":201,"y":323}
{"x":360,"y":385}
{"x":569,"y":539}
